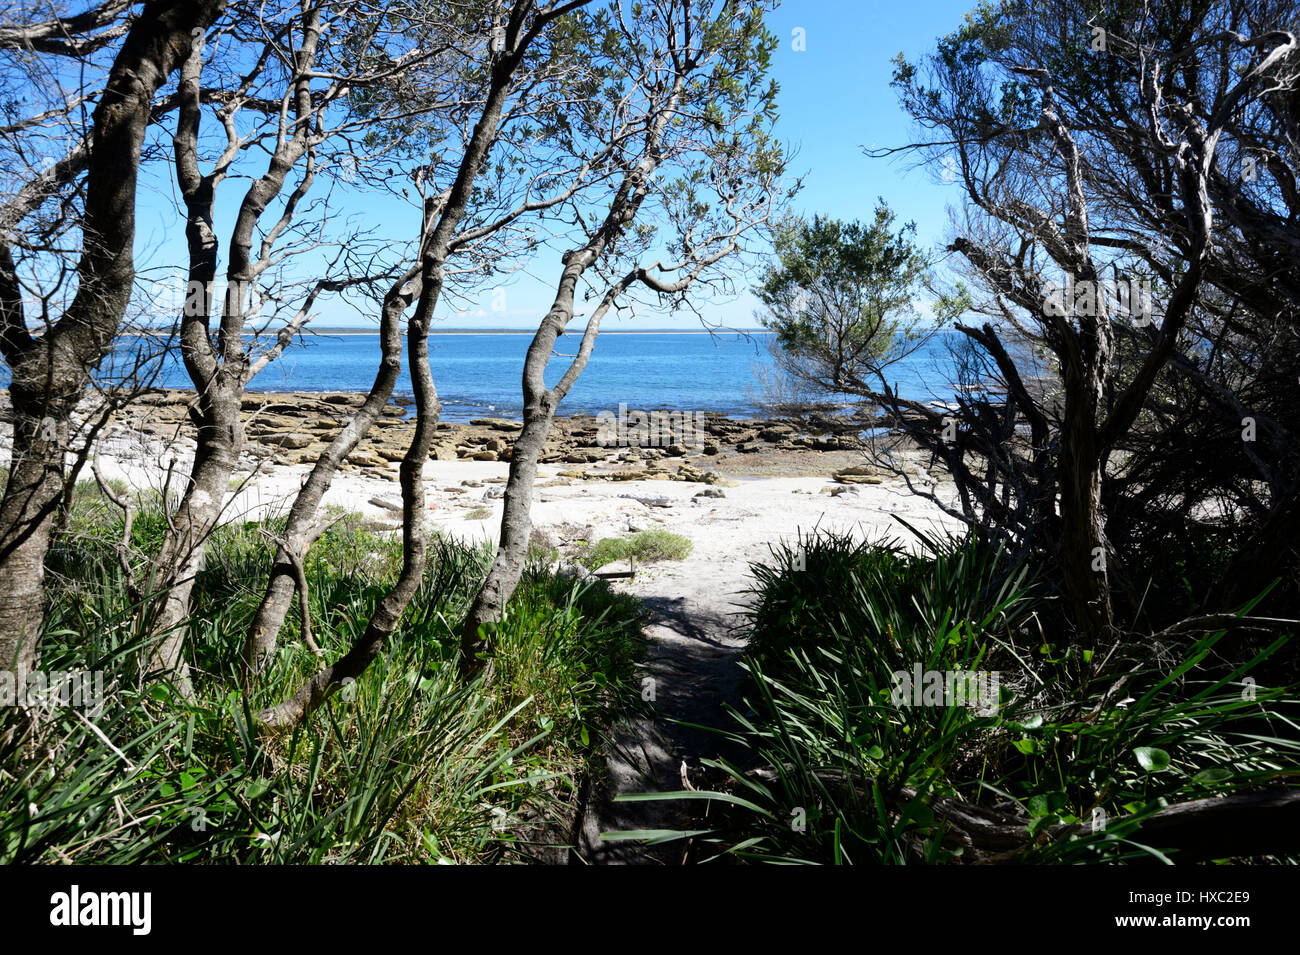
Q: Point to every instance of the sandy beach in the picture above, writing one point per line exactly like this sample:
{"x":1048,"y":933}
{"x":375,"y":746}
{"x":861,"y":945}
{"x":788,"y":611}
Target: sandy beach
{"x":759,"y":482}
{"x":742,"y":486}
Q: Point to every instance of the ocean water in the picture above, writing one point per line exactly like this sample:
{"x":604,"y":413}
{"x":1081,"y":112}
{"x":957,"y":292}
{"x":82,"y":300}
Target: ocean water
{"x":480,"y":374}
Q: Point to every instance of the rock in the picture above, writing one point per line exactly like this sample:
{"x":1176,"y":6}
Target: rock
{"x":688,"y":472}
{"x":711,"y":492}
{"x":650,"y":500}
{"x":387,"y":503}
{"x":775,"y":434}
{"x":471,"y":483}
{"x":391,"y":454}
{"x":847,"y":490}
{"x":366,"y":460}
{"x":711,"y":447}
{"x":292,"y":440}
{"x":485,"y":456}
{"x":858,"y":474}
{"x":859,"y":479}
{"x":496,"y":424}
{"x":494,"y":494}
{"x":675,"y":451}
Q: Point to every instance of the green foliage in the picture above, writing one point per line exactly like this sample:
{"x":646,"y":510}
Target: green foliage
{"x":840,"y":296}
{"x":646,"y":546}
{"x":837,"y":767}
{"x":404,"y":766}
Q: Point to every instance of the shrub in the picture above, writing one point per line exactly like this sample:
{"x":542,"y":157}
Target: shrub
{"x":646,"y":546}
{"x":407,"y":765}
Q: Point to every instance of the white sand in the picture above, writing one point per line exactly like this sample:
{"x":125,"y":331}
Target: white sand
{"x":726,"y":533}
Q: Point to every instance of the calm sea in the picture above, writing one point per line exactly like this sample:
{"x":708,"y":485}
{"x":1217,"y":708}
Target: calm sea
{"x":479,"y":374}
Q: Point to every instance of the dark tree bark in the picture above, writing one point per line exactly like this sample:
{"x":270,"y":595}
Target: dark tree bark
{"x":50,"y":371}
{"x":220,"y":376}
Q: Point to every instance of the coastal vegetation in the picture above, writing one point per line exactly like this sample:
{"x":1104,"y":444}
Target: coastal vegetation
{"x":1049,"y":616}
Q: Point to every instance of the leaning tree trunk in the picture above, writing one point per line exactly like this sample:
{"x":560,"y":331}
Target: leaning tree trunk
{"x":50,"y":372}
{"x":388,"y":614}
{"x":540,"y":402}
{"x":219,"y":379}
{"x":415,"y":536}
{"x":516,"y":529}
{"x":302,"y":528}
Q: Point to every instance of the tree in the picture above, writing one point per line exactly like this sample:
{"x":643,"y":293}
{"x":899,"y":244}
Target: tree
{"x":840,"y":301}
{"x":525,"y":24}
{"x":51,"y":367}
{"x":699,"y":99}
{"x":302,"y":116}
{"x":517,"y":166}
{"x":1053,"y":164}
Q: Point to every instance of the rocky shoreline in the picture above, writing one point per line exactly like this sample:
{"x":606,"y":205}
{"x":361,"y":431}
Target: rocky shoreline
{"x":293,"y":428}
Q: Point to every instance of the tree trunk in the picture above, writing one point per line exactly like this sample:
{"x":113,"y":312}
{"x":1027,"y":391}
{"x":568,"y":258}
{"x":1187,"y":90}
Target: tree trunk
{"x":302,"y":529}
{"x":512,"y":550}
{"x":387,"y":615}
{"x":33,"y":492}
{"x":181,"y":556}
{"x":49,"y":373}
{"x":540,"y":402}
{"x":1084,"y":553}
{"x":415,"y":536}
{"x":219,"y":376}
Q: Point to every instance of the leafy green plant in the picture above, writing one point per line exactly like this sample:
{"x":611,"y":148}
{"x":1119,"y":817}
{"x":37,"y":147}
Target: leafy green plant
{"x":646,"y":546}
{"x":836,"y":767}
{"x":406,"y":765}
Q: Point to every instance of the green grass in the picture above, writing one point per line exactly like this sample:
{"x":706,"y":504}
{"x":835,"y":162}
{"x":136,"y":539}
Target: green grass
{"x":407,"y":766}
{"x":645,"y":546}
{"x":478,"y":513}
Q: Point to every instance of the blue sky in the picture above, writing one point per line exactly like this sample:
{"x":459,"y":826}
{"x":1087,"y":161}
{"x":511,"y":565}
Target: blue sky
{"x":835,"y":100}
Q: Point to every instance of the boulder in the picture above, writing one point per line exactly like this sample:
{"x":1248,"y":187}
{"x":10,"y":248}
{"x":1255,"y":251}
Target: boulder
{"x":291,"y":440}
